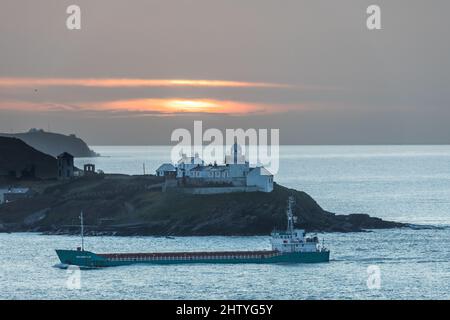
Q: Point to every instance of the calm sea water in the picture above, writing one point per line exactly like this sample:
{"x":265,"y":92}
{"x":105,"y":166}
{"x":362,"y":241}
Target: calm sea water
{"x":401,"y":183}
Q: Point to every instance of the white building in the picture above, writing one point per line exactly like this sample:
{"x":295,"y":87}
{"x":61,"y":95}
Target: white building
{"x":236,"y":172}
{"x":261,"y":178}
{"x":185,"y":164}
{"x":11,"y":194}
{"x":164,"y":169}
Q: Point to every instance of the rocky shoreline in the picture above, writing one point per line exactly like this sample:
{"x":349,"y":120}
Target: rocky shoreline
{"x":123,"y":205}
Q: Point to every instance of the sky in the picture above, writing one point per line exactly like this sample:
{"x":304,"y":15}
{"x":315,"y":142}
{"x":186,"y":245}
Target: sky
{"x":139,"y":69}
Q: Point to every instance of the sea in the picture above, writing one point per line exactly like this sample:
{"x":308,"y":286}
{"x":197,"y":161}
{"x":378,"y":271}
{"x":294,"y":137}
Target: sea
{"x":408,"y":184}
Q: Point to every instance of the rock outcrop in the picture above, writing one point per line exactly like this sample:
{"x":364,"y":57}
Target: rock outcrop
{"x":54,"y":143}
{"x":132,"y":205}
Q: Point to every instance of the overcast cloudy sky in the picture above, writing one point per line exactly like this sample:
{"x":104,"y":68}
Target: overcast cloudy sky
{"x":139,"y":69}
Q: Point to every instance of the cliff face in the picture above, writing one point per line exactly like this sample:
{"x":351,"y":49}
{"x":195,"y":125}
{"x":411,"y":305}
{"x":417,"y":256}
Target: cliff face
{"x":123,"y":205}
{"x":19,"y":159}
{"x":53,"y":143}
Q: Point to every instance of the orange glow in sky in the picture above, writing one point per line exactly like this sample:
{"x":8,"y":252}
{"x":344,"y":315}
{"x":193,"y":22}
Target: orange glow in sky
{"x":130,"y":82}
{"x":154,"y":105}
{"x":157,"y":106}
{"x":181,"y":106}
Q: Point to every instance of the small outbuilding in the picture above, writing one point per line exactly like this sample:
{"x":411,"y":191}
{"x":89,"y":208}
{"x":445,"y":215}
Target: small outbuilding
{"x":12,"y":194}
{"x":261,"y":178}
{"x":89,"y":169}
{"x":65,"y":166}
{"x":165,"y":169}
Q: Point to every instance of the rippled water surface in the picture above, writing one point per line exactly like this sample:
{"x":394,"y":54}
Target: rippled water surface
{"x":413,"y":264}
{"x":402,"y":183}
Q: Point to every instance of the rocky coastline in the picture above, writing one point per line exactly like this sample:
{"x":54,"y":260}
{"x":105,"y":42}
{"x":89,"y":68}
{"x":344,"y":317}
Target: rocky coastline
{"x":124,"y":205}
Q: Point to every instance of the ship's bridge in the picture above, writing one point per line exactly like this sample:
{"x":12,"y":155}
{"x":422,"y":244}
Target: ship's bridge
{"x":295,"y":241}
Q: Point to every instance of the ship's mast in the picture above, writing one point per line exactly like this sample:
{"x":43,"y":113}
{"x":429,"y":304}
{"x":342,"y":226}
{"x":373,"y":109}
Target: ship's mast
{"x":290,"y":216}
{"x":82,"y":230}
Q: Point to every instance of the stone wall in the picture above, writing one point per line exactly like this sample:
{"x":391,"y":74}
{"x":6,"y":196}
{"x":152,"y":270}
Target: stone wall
{"x":217,"y":190}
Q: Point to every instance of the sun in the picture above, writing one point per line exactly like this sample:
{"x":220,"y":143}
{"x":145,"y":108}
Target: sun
{"x":191,"y":105}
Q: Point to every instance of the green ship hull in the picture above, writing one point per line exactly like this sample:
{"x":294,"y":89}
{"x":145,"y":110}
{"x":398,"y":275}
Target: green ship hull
{"x":87,"y":259}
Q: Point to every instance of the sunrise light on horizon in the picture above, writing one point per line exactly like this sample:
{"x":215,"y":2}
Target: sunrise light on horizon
{"x":20,"y":82}
{"x":144,"y":106}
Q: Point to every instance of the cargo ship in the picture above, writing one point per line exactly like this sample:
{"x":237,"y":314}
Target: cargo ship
{"x":288,"y":246}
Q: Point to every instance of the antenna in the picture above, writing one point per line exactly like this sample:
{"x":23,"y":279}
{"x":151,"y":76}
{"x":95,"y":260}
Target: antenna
{"x":290,"y":216}
{"x":143,"y":167}
{"x":82,"y":230}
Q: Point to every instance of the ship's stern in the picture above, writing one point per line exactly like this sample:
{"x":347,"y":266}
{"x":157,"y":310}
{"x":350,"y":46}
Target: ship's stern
{"x":305,"y":257}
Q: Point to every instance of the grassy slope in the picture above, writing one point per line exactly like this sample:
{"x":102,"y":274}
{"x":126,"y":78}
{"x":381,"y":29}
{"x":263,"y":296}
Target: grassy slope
{"x":124,"y":205}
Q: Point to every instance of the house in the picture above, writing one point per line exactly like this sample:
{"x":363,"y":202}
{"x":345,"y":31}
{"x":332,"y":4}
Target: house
{"x":12,"y":194}
{"x":185,"y":164}
{"x":165,"y":169}
{"x":233,"y":176}
{"x":211,"y":175}
{"x":65,"y":165}
{"x":261,"y":178}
